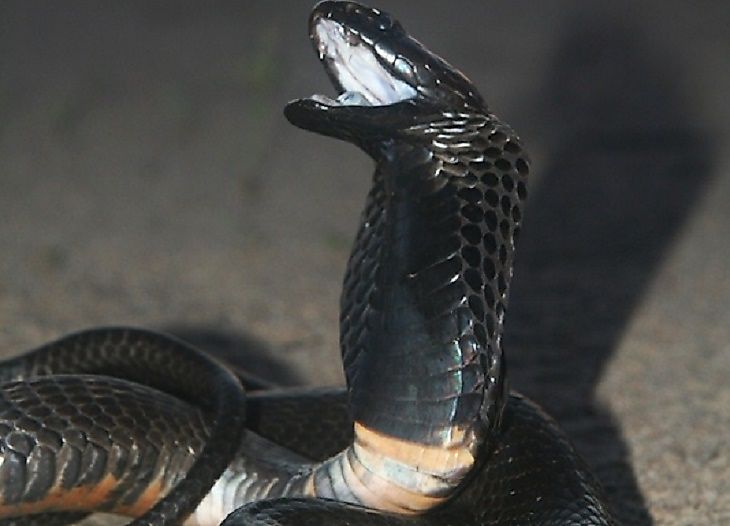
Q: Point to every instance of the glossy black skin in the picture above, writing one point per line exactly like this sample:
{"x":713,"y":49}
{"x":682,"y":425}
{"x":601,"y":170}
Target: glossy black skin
{"x":93,"y":427}
{"x":50,"y":438}
{"x":427,"y":281}
{"x":428,"y":322}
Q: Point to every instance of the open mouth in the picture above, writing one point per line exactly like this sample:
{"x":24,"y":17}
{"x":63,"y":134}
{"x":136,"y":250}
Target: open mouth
{"x":358,"y":67}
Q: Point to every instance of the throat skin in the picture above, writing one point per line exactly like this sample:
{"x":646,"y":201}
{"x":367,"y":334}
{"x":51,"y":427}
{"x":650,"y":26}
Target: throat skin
{"x":413,"y":381}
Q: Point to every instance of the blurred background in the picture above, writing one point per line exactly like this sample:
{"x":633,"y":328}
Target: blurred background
{"x":148,"y":177}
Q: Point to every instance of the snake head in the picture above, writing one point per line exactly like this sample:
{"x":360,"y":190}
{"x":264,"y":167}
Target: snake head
{"x":385,"y":79}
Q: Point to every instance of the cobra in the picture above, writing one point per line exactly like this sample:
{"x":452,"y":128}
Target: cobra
{"x":426,"y":432}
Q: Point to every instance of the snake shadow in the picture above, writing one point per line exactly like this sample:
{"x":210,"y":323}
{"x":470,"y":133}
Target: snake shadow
{"x":627,"y":164}
{"x":257,"y":363}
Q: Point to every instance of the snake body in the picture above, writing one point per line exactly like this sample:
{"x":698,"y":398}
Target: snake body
{"x":426,"y":432}
{"x":82,"y":443}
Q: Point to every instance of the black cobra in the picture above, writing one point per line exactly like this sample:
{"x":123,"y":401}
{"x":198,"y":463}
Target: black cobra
{"x":426,"y":434}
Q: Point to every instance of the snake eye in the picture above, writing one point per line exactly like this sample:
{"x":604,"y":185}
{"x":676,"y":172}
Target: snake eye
{"x":386,"y":23}
{"x":396,"y":27}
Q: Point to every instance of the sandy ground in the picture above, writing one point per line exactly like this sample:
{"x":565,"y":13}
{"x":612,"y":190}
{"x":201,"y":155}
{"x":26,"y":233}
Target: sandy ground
{"x":147,"y":177}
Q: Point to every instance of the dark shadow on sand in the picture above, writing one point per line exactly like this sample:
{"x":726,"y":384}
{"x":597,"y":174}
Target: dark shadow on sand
{"x":255,"y":361}
{"x":626,"y":165}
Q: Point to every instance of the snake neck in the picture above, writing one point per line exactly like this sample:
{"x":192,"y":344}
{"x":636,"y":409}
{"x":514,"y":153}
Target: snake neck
{"x":423,"y":307}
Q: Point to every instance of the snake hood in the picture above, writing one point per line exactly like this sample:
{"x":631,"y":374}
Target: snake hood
{"x":385,"y":79}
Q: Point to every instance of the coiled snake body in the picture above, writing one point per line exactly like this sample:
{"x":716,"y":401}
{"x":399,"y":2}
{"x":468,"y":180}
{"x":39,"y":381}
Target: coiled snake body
{"x":426,"y":433}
